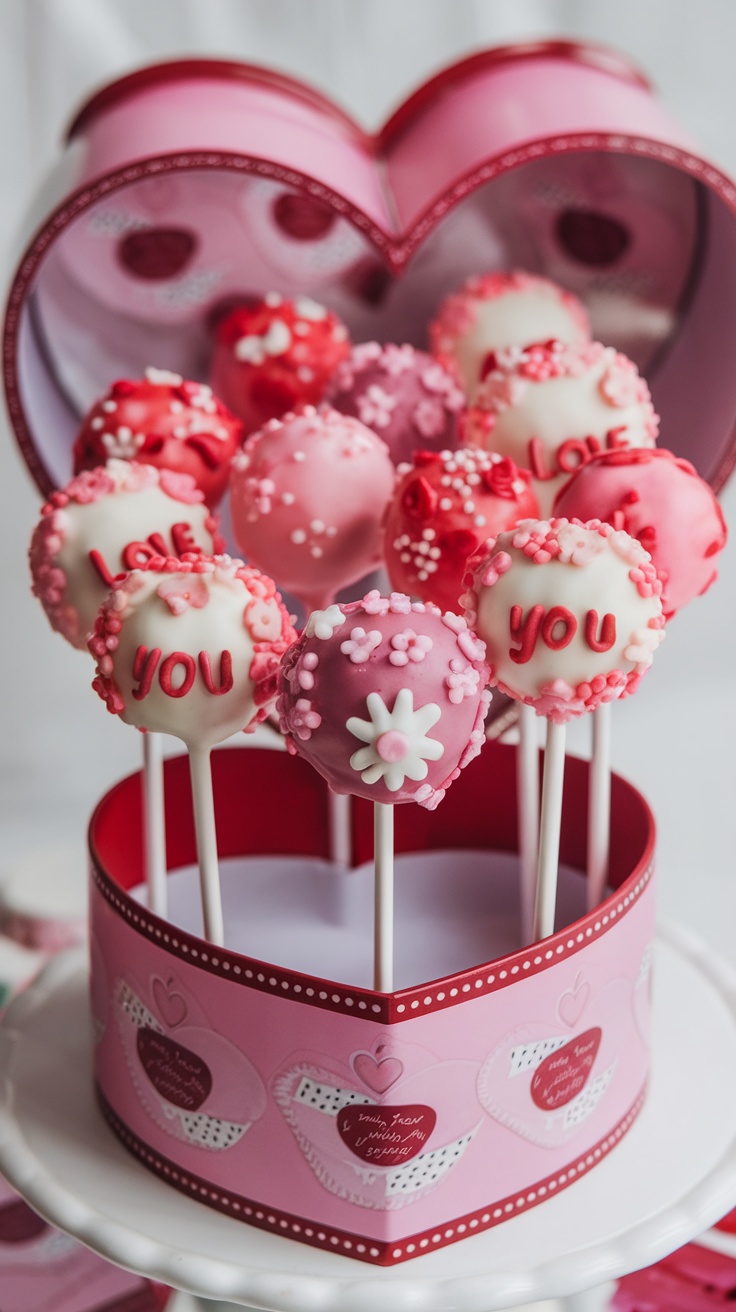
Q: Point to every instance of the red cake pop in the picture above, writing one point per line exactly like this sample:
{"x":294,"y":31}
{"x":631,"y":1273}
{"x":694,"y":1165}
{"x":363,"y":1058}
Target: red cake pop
{"x":165,"y":421}
{"x":105,"y":522}
{"x":385,"y":697}
{"x":445,"y":507}
{"x":498,"y":310}
{"x":551,"y":407}
{"x":273,"y":355}
{"x":405,"y":396}
{"x":664,"y":503}
{"x":307,"y":498}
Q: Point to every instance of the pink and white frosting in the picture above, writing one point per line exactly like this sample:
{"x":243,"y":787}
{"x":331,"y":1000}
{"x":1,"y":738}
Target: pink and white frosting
{"x":445,"y":507}
{"x":411,"y":401}
{"x":274,"y":354}
{"x":105,"y":522}
{"x":191,"y":647}
{"x":164,"y":420}
{"x":571,"y":614}
{"x":552,"y":407}
{"x":497,"y":310}
{"x":664,"y":503}
{"x":307,"y":498}
{"x":386,"y":697}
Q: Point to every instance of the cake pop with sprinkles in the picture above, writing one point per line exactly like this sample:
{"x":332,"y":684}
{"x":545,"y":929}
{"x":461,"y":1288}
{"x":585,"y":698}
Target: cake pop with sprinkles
{"x":497,"y":310}
{"x":164,"y":420}
{"x":274,"y":354}
{"x":662,"y":501}
{"x":446,"y":506}
{"x":307,"y":497}
{"x":105,"y":522}
{"x":386,"y":697}
{"x":551,"y":407}
{"x":411,"y":400}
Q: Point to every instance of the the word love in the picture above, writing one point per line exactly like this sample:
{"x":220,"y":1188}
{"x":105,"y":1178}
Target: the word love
{"x":135,"y":554}
{"x":556,"y":628}
{"x":177,"y":672}
{"x":570,"y":454}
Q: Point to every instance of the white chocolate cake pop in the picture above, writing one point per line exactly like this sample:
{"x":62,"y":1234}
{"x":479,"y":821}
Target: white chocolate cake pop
{"x":105,"y":522}
{"x":551,"y":407}
{"x":191,"y":648}
{"x":571,"y":614}
{"x":498,"y":310}
{"x":307,"y":498}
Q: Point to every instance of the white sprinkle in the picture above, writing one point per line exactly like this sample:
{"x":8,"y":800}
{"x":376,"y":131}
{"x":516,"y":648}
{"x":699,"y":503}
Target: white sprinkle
{"x":298,"y":536}
{"x":97,"y":422}
{"x":299,"y":456}
{"x":445,"y":503}
{"x":109,"y":407}
{"x":287,"y":498}
{"x":180,"y":430}
{"x":428,"y":534}
{"x":176,"y":407}
{"x":317,"y":526}
{"x":272,"y":299}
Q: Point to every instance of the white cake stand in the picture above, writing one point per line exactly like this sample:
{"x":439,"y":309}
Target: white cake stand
{"x":671,"y":1177}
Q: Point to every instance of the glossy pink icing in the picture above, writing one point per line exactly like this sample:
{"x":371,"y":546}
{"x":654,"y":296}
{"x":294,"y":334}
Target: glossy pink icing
{"x":445,"y":507}
{"x":552,"y":406}
{"x":571,"y":614}
{"x":307,"y":498}
{"x":496,"y":310}
{"x":191,"y":647}
{"x":122,"y":512}
{"x":166,"y":421}
{"x":385,"y":697}
{"x":664,"y":503}
{"x":275,"y":354}
{"x":409,"y":399}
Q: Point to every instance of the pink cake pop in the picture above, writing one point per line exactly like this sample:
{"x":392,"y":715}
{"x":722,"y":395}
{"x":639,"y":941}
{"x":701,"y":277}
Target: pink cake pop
{"x":273,"y":355}
{"x":308,"y":494}
{"x":498,"y":310}
{"x":551,"y":407}
{"x":664,"y":503}
{"x":385,"y":697}
{"x":165,"y":421}
{"x":404,"y":395}
{"x":446,"y":507}
{"x":105,"y":522}
{"x":571,"y":614}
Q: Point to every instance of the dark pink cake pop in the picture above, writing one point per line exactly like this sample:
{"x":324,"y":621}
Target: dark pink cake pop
{"x":662,"y":501}
{"x":275,"y":354}
{"x":163,"y":420}
{"x":404,"y":395}
{"x":385,"y":697}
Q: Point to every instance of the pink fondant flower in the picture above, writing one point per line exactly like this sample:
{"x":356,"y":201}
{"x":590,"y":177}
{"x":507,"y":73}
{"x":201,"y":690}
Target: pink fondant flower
{"x":375,"y":407}
{"x":462,"y":681}
{"x":429,"y":418}
{"x":409,"y":646}
{"x":360,"y":644}
{"x":263,"y":618}
{"x":302,"y":719}
{"x":180,"y":592}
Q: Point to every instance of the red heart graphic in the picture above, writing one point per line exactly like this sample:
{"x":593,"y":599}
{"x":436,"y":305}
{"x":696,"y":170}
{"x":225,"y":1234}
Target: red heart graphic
{"x":175,"y":1072}
{"x":170,"y":1005}
{"x":379,"y":1074}
{"x":386,"y":1136}
{"x":563,"y":1074}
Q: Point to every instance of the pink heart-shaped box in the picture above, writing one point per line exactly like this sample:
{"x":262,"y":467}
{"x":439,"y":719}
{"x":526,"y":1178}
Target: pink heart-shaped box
{"x":189,"y":184}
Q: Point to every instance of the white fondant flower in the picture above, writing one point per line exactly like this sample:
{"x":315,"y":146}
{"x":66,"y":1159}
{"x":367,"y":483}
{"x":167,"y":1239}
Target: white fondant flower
{"x":642,"y":645}
{"x":579,"y":545}
{"x":123,"y":444}
{"x":322,"y":623}
{"x":163,"y":377}
{"x":254,"y":349}
{"x":397,"y":747}
{"x":375,"y":406}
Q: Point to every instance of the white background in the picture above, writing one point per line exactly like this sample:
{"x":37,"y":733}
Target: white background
{"x":58,"y":747}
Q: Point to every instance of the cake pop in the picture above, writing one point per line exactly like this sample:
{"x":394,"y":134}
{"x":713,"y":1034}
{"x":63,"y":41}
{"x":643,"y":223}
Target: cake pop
{"x":105,"y":522}
{"x":498,"y":310}
{"x":551,"y":407}
{"x":274,"y":354}
{"x":445,"y":507}
{"x":664,"y":503}
{"x":404,"y":395}
{"x":165,"y":421}
{"x":307,"y":498}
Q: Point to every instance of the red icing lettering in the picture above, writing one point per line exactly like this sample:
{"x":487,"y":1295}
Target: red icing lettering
{"x":137,"y":553}
{"x":98,"y":562}
{"x":165,"y":674}
{"x":537,"y":461}
{"x":572,"y":454}
{"x":181,"y":536}
{"x":558,"y":615}
{"x":604,"y":640}
{"x":226,"y":673}
{"x":144,"y":668}
{"x":616,"y":439}
{"x":525,"y":632}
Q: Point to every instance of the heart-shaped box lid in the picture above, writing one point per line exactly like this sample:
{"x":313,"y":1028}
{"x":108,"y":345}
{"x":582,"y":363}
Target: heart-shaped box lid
{"x":187,"y":186}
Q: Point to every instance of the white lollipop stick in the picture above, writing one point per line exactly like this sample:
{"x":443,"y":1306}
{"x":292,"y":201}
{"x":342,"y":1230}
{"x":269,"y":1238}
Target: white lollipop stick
{"x":527,"y":789}
{"x":549,"y":835}
{"x":338,"y":815}
{"x":383,"y":921}
{"x":153,"y":822}
{"x":599,"y":806}
{"x":204,"y":825}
